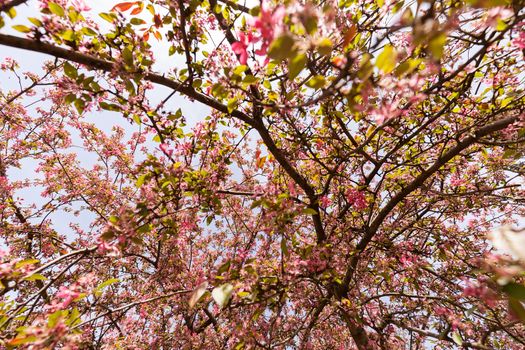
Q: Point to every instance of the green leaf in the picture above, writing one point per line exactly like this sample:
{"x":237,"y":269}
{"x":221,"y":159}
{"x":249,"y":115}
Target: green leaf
{"x":70,"y":70}
{"x":311,"y":24}
{"x":53,"y":319}
{"x":488,"y":3}
{"x":224,"y":267}
{"x":20,"y":340}
{"x":324,"y":46}
{"x":21,"y":28}
{"x":437,"y":45}
{"x":386,"y":61}
{"x":108,"y":17}
{"x":515,"y":290}
{"x":35,"y":277}
{"x":507,"y":101}
{"x":140,"y":180}
{"x":296,"y":65}
{"x":240,"y":69}
{"x":127,"y":56}
{"x":249,"y":79}
{"x":68,"y":35}
{"x":137,"y":21}
{"x":73,"y":15}
{"x":284,"y":248}
{"x":70,"y":98}
{"x":109,"y":106}
{"x":316,"y":82}
{"x":11,"y":12}
{"x":232,"y":104}
{"x":282,"y":48}
{"x":407,"y":67}
{"x":222,"y":294}
{"x":89,"y":31}
{"x":56,"y":9}
{"x":74,"y":317}
{"x":309,"y":211}
{"x":517,"y":308}
{"x":457,"y":338}
{"x":35,"y":21}
{"x":107,"y":283}
{"x":80,"y":105}
{"x":398,"y":6}
{"x":26,"y":262}
{"x":501,"y":25}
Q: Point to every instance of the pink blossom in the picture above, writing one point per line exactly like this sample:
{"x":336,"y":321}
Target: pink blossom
{"x":267,"y":24}
{"x":240,"y":47}
{"x":356,"y":199}
{"x":519,"y":42}
{"x":264,"y":28}
{"x":498,"y":13}
{"x":107,"y":249}
{"x":456,"y":181}
{"x":68,"y":295}
{"x":80,"y":5}
{"x":6,"y":269}
{"x":387,"y":111}
{"x":165,"y":148}
{"x":324,"y":201}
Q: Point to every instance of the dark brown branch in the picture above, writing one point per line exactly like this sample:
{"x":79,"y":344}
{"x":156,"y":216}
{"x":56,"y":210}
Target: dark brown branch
{"x":189,"y":91}
{"x":9,"y":5}
{"x":107,"y":66}
{"x":415,"y":184}
{"x":235,"y":6}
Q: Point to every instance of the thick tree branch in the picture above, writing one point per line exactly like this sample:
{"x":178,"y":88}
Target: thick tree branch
{"x":10,"y":4}
{"x":414,"y":185}
{"x":186,"y":90}
{"x":107,"y":66}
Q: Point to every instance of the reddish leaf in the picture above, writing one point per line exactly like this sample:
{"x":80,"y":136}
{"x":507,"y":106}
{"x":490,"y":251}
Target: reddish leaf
{"x":138,"y":10}
{"x":145,"y":36}
{"x":157,"y":20}
{"x":123,"y":6}
{"x":158,"y":35}
{"x":350,"y":35}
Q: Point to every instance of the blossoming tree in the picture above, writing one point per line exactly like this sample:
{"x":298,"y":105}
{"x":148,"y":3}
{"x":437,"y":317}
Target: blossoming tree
{"x":337,"y":195}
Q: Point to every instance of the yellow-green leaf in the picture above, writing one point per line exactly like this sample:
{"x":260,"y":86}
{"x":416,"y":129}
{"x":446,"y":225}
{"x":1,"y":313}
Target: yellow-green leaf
{"x":437,"y":45}
{"x":21,"y":28}
{"x":282,"y":48}
{"x":316,"y":82}
{"x":56,"y":9}
{"x":386,"y":61}
{"x":324,"y":46}
{"x":35,"y":21}
{"x":70,"y":70}
{"x":232,"y":104}
{"x":35,"y":277}
{"x":296,"y":65}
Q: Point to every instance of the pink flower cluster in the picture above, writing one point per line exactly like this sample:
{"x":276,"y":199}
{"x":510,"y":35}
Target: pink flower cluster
{"x":67,"y":295}
{"x":519,"y":41}
{"x":312,"y":265}
{"x":261,"y":29}
{"x":356,"y":198}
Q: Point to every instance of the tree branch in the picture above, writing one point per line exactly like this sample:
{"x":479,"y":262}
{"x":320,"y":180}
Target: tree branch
{"x":415,"y":184}
{"x":9,"y":5}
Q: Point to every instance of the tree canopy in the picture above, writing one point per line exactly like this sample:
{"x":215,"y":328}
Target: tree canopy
{"x":337,"y":195}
